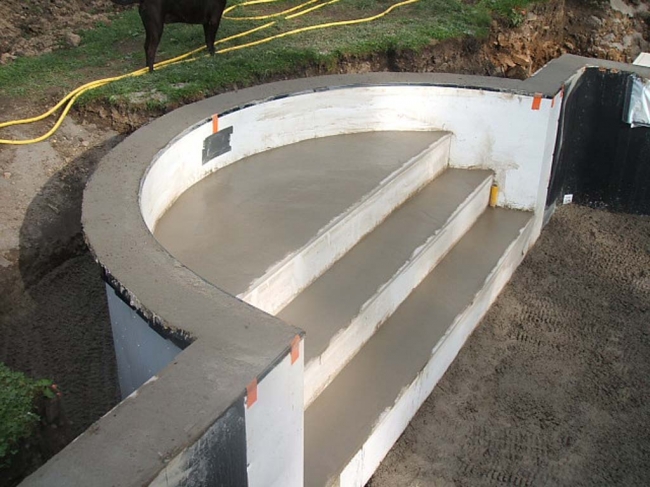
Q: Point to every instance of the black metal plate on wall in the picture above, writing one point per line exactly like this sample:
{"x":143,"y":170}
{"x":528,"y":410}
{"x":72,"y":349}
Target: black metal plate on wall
{"x":217,"y":144}
{"x":599,"y":158}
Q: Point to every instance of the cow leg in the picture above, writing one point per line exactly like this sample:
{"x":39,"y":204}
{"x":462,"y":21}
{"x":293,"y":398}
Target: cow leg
{"x":209,"y":38}
{"x":212,"y":26}
{"x":153,"y":27}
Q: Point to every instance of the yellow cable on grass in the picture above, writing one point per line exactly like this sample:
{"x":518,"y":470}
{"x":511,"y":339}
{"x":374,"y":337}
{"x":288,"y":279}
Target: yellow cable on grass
{"x":71,"y":97}
{"x":317,"y":27}
{"x":68,"y":101}
{"x":312,"y":9}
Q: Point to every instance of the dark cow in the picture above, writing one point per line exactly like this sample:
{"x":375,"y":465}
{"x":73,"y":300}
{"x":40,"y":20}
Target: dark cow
{"x":156,"y":13}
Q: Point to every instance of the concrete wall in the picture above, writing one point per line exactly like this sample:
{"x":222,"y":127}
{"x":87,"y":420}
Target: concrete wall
{"x":180,"y":426}
{"x":258,"y":442}
{"x":505,"y":132}
{"x":275,"y":425}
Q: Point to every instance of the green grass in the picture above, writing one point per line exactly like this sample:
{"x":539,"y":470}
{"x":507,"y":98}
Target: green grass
{"x":110,"y":50}
{"x":17,"y":417}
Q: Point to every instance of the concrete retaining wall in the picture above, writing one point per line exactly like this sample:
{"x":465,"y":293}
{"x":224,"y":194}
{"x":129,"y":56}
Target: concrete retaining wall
{"x":502,"y":131}
{"x":225,"y":406}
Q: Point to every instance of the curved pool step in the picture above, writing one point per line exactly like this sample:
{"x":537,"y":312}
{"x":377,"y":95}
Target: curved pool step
{"x":341,"y":309}
{"x":251,"y":218}
{"x":384,"y":256}
{"x":354,"y":422}
{"x":286,"y":279}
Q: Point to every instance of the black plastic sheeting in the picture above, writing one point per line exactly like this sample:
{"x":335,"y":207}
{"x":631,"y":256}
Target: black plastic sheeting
{"x":218,"y":459}
{"x":599,"y":158}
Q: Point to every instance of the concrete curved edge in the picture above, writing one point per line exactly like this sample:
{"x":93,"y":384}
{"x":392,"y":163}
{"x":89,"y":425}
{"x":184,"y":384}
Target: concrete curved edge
{"x":130,"y":255}
{"x":121,"y":242}
{"x":231,"y":342}
{"x":552,"y":77}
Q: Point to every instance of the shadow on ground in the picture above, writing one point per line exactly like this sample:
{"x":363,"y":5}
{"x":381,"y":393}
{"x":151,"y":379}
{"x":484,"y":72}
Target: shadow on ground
{"x":54,"y":319}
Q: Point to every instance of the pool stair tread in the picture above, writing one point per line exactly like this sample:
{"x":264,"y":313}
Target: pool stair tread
{"x":353,"y":423}
{"x":342,"y":308}
{"x":287,"y":278}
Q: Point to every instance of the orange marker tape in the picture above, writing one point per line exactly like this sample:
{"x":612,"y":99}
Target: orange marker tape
{"x":251,"y":393}
{"x":537,"y":101}
{"x":295,"y":349}
{"x":215,"y":124}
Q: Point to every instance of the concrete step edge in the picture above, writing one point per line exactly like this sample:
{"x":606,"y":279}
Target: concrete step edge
{"x":322,"y":370}
{"x":280,"y":284}
{"x":393,"y":421}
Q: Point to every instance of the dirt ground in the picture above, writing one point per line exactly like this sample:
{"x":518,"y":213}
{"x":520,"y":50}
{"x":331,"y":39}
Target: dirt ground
{"x":53,"y":316}
{"x":29,"y":28}
{"x":552,"y":388}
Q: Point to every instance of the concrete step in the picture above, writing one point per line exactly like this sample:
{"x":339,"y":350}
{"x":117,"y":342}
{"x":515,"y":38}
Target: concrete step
{"x":252,"y":217}
{"x":418,"y":164}
{"x":342,"y":309}
{"x":354,"y":422}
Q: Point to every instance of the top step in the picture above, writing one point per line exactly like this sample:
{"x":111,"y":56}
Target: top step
{"x":286,"y":214}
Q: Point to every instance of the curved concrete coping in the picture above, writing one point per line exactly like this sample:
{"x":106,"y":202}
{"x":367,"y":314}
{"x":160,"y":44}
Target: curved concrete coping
{"x":230,"y":342}
{"x":174,"y":300}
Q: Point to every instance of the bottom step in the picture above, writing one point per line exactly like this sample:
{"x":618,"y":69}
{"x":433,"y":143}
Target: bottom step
{"x":351,"y":426}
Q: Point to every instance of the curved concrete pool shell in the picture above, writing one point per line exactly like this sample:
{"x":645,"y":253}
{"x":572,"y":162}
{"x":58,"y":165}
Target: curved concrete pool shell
{"x":354,"y":208}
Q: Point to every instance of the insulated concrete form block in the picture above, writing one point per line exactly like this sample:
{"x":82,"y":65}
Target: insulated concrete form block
{"x":140,"y":352}
{"x":217,"y":459}
{"x":544,"y":176}
{"x":258,"y":442}
{"x":275,"y":424}
{"x":504,"y":132}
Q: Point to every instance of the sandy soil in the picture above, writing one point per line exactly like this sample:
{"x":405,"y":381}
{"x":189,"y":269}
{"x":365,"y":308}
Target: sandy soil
{"x":53,"y":315}
{"x":60,"y":329}
{"x":552,"y":388}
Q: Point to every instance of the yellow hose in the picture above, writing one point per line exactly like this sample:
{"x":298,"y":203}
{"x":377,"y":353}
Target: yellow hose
{"x":306,"y":11}
{"x":317,"y":27}
{"x":68,"y":101}
{"x":73,"y":95}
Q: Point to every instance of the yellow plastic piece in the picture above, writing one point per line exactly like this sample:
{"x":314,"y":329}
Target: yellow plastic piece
{"x":494,"y":195}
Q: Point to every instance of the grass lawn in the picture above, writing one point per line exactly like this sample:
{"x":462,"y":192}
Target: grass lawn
{"x":110,"y":50}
